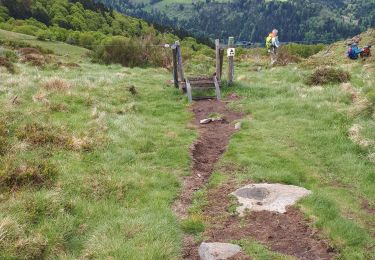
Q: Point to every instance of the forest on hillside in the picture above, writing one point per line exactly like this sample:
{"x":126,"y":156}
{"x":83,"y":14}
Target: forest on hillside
{"x":251,"y":20}
{"x":96,"y":27}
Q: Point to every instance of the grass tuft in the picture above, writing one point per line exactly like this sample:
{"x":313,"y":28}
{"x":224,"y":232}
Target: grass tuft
{"x":16,"y":243}
{"x":284,"y":58}
{"x":16,"y":174}
{"x":34,"y":59}
{"x":3,"y":137}
{"x":56,"y":84}
{"x":38,"y":135}
{"x":193,"y":225}
{"x":4,"y":62}
{"x":328,"y":75}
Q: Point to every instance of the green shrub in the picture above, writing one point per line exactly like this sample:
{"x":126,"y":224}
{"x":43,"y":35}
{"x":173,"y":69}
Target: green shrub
{"x":303,"y":50}
{"x":328,"y":75}
{"x":90,"y":39}
{"x":44,"y":35}
{"x":27,"y":29}
{"x":6,"y":26}
{"x":4,"y":14}
{"x":36,"y":23}
{"x":10,"y":55}
{"x":122,"y":50}
{"x":58,"y":34}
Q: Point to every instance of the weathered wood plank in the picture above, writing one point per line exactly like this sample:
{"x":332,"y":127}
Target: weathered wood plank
{"x":217,"y":88}
{"x":175,"y":72}
{"x":180,"y":67}
{"x":204,"y":97}
{"x":217,"y":51}
{"x":221,"y":63}
{"x":188,"y":91}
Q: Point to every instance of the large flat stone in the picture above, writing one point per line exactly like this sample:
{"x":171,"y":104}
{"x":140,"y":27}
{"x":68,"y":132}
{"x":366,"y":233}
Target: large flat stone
{"x":269,"y":197}
{"x":218,"y":251}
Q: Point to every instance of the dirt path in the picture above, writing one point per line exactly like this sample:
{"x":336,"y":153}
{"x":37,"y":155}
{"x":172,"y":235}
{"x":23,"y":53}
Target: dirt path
{"x":287,"y":233}
{"x":206,"y":151}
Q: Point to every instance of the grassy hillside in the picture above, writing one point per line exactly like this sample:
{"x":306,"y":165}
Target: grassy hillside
{"x":90,"y":166}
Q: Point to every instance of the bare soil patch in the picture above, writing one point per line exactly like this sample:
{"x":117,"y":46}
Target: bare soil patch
{"x":287,"y":233}
{"x":206,"y":151}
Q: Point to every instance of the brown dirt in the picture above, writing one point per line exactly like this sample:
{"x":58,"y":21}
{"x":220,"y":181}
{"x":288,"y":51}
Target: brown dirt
{"x":206,"y":151}
{"x":287,"y":233}
{"x":34,"y":59}
{"x":367,"y":207}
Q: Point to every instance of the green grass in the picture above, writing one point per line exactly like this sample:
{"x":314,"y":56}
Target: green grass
{"x":69,"y":51}
{"x":114,"y":199}
{"x":299,"y":135}
{"x":259,"y":252}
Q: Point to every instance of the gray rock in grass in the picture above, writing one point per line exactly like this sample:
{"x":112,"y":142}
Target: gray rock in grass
{"x":218,"y":251}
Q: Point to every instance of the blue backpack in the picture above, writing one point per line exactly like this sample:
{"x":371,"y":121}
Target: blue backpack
{"x":351,"y":53}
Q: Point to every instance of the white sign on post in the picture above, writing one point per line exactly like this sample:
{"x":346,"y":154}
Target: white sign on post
{"x":231,"y":52}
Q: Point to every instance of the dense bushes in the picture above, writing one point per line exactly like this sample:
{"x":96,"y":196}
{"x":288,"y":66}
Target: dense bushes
{"x":302,"y":50}
{"x":131,"y":52}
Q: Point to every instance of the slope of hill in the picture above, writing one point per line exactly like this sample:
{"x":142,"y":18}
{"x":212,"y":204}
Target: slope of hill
{"x":298,"y":20}
{"x":92,"y":156}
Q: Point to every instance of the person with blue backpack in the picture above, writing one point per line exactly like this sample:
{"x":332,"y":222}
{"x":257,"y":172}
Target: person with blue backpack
{"x":354,"y":51}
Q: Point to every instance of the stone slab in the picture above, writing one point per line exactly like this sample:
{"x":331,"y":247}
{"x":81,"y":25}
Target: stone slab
{"x":269,"y":197}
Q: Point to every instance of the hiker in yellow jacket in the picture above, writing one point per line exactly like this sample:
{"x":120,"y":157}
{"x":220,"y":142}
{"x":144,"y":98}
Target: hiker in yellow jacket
{"x":272,"y":44}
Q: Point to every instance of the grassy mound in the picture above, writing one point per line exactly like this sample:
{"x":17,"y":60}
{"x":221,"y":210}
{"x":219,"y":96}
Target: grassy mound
{"x":328,"y":75}
{"x":17,"y":174}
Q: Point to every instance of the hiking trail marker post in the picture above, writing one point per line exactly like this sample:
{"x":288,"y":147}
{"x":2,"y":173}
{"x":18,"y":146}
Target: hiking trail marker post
{"x":199,"y":83}
{"x":230,"y":53}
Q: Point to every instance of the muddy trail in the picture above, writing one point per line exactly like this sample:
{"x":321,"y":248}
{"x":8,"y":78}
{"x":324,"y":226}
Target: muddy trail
{"x":288,"y":233}
{"x":206,"y":151}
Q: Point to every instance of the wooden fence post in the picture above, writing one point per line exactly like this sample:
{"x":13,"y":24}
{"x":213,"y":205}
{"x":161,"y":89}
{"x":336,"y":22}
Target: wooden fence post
{"x":221,"y":61}
{"x":218,"y":64}
{"x":175,"y":73}
{"x":230,"y":62}
{"x":180,"y":68}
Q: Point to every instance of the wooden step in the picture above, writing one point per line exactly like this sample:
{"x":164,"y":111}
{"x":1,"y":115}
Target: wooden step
{"x":201,"y":83}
